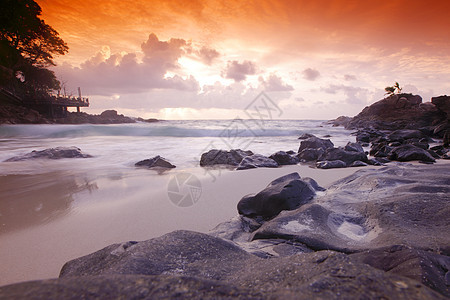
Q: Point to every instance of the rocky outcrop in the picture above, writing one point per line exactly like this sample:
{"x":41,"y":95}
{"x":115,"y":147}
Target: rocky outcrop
{"x":52,"y":153}
{"x":223,"y":157}
{"x":443,"y":104}
{"x":282,"y":158}
{"x":409,"y":153}
{"x":375,"y":234}
{"x":372,"y":209}
{"x":398,"y":111}
{"x":315,"y":143}
{"x":333,"y":164}
{"x":106,"y":117}
{"x":185,"y":264}
{"x":13,"y":114}
{"x":256,"y":161}
{"x":155,"y":162}
{"x":285,"y":193}
{"x":341,"y":154}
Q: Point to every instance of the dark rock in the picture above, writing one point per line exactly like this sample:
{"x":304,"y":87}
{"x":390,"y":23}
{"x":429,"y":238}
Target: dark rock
{"x":285,"y":193}
{"x":291,"y":152}
{"x":222,"y":157}
{"x":127,"y":287}
{"x":402,"y":204}
{"x":423,"y":266}
{"x":363,"y":137}
{"x":358,"y":163}
{"x":433,"y":154}
{"x":355,"y":147}
{"x":395,"y":144}
{"x":405,"y":134}
{"x":256,"y":161}
{"x":379,"y":161}
{"x":340,"y":121}
{"x":155,"y":162}
{"x":52,"y":153}
{"x":331,"y":164}
{"x":442,"y":103}
{"x":348,"y":157}
{"x":178,"y":253}
{"x":410,"y":152}
{"x":306,"y":136}
{"x":314,"y":143}
{"x":423,"y":146}
{"x":310,"y":154}
{"x":192,"y":265}
{"x":151,"y":120}
{"x":314,"y":184}
{"x":283,"y":158}
{"x":109,"y":114}
{"x":400,"y":111}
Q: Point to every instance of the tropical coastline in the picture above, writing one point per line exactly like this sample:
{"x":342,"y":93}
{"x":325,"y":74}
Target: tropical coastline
{"x":233,"y":183}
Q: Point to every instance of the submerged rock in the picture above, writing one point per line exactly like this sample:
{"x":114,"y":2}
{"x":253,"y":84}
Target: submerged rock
{"x":256,"y":161}
{"x":223,"y":157}
{"x":155,"y":162}
{"x":52,"y":153}
{"x":285,"y":193}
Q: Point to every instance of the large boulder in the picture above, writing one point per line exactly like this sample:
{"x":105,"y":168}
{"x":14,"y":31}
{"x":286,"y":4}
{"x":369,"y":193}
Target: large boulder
{"x":155,"y":162}
{"x":256,"y":161}
{"x":405,"y":134}
{"x":283,"y":158}
{"x":354,"y":147}
{"x":232,"y":274}
{"x":314,"y":143}
{"x":341,"y":154}
{"x":310,"y":154}
{"x":52,"y":153}
{"x":223,"y":157}
{"x":285,"y":193}
{"x":410,"y":152}
{"x":423,"y":266}
{"x":333,"y":164}
{"x":400,"y":204}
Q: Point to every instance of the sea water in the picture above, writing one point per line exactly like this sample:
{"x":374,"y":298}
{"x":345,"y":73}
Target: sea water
{"x":52,"y":211}
{"x":120,"y":146}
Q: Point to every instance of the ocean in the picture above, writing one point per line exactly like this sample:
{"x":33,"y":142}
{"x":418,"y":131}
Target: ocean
{"x":52,"y":211}
{"x":181,"y":142}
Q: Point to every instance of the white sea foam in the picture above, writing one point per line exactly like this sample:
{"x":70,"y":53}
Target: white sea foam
{"x":181,"y":142}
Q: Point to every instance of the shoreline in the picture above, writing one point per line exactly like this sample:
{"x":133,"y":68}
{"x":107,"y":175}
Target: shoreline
{"x":90,"y":221}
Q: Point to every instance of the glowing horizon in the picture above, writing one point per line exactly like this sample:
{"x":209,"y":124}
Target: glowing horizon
{"x":317,"y":60}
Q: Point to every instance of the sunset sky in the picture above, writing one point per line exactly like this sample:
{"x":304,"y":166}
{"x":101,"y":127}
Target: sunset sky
{"x":316,"y":59}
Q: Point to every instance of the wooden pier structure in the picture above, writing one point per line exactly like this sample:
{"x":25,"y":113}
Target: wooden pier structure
{"x":52,"y":106}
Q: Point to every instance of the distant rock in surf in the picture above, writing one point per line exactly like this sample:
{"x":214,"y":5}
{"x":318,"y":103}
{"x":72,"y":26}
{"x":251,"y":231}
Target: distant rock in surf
{"x":155,"y":162}
{"x":223,"y":157}
{"x":256,"y":161}
{"x":52,"y":153}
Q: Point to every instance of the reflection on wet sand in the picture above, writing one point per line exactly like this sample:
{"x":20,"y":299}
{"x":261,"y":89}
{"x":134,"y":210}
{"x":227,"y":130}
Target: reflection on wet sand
{"x":28,"y":200}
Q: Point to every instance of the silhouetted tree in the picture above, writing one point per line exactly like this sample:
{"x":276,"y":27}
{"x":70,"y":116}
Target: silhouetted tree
{"x":27,"y":45}
{"x":395,"y":89}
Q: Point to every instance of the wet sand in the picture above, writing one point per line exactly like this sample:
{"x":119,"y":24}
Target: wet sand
{"x":49,"y":218}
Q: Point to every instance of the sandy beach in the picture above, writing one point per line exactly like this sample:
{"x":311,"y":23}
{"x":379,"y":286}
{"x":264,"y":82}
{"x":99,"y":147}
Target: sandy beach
{"x":57,"y":216}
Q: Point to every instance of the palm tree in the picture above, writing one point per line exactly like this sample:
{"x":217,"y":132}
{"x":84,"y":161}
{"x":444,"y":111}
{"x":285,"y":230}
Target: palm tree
{"x":395,"y":89}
